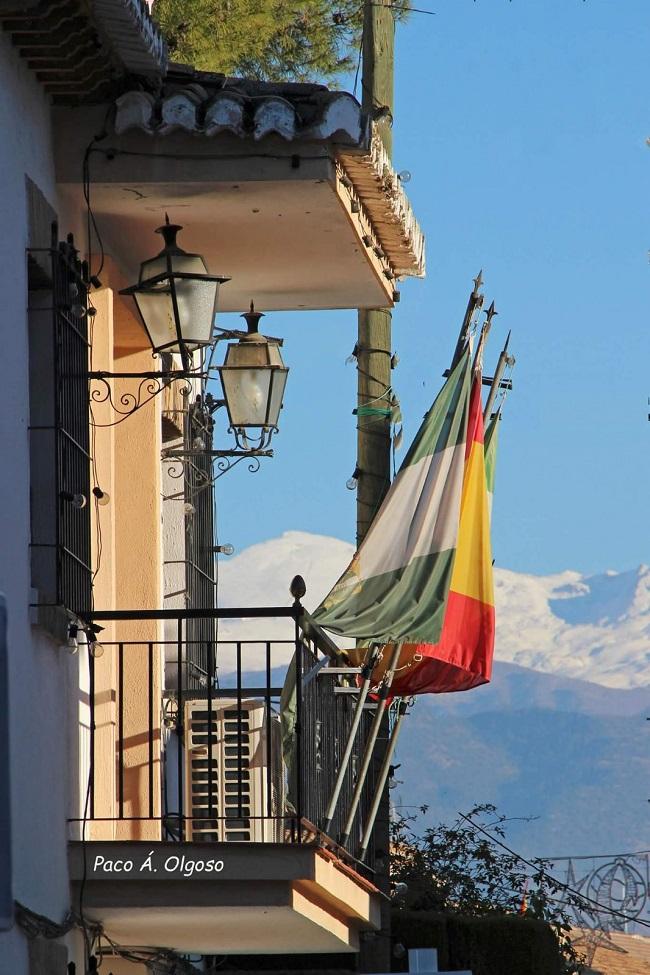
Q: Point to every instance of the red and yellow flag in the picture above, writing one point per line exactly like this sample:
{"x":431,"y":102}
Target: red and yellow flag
{"x":462,"y":659}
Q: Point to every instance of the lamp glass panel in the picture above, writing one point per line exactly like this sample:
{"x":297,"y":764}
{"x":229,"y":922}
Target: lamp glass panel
{"x":277,"y":394}
{"x":247,"y":394}
{"x":196,"y":301}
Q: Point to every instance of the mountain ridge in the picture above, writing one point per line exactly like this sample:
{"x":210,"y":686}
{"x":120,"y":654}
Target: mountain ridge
{"x":594,"y":628}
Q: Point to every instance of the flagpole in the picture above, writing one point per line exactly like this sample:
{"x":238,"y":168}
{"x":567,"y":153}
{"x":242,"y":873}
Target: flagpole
{"x":496,"y":382}
{"x":370,"y":745}
{"x":383,"y":775}
{"x":366,"y":673}
{"x":474,"y":305}
{"x":485,"y":331}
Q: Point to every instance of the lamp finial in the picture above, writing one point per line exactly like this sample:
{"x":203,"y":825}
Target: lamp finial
{"x":253,"y":319}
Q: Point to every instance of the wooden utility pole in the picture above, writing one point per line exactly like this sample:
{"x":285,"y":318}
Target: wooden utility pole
{"x":374,"y":330}
{"x":374,"y":351}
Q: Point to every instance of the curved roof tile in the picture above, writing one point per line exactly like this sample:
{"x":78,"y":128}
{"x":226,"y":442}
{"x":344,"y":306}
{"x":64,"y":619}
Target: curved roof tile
{"x":245,"y":108}
{"x":225,"y":113}
{"x":274,"y":114}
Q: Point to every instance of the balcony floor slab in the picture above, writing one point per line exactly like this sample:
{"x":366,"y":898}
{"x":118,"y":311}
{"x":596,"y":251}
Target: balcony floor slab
{"x":247,"y":898}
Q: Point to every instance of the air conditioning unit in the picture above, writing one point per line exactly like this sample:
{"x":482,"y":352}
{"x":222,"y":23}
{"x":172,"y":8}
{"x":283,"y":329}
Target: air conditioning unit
{"x":247,"y":783}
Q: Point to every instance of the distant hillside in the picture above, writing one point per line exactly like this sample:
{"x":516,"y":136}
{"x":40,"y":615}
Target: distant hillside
{"x":571,"y":753}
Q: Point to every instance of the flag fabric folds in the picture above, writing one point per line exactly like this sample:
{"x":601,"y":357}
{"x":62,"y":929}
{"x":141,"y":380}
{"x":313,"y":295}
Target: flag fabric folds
{"x":462,"y":658}
{"x":397,"y":585}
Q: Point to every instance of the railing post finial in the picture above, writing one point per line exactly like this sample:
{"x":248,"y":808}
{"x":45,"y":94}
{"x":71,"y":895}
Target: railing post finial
{"x":298,"y":588}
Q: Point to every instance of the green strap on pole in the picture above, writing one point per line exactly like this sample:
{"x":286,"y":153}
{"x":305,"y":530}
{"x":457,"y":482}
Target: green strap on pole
{"x":373,"y":411}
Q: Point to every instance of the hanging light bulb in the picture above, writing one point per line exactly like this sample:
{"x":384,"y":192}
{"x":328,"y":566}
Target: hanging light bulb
{"x":353,"y":482}
{"x":101,"y":496}
{"x":353,"y":355}
{"x":76,"y":500}
{"x":226,"y":549}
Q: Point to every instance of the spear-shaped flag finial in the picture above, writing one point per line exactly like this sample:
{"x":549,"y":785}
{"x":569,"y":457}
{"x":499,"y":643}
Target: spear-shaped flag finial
{"x":474,"y":305}
{"x":485,"y":331}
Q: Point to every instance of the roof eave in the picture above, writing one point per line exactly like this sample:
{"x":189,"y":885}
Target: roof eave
{"x":379,"y":189}
{"x":134,"y":37}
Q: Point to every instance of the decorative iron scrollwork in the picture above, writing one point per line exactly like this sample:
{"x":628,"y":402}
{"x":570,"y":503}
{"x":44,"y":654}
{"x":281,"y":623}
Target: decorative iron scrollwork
{"x":247,"y":442}
{"x":612,"y":893}
{"x":148,"y":386}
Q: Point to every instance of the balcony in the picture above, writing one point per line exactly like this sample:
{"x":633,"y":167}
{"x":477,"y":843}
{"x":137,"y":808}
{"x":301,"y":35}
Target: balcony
{"x":210,"y":765}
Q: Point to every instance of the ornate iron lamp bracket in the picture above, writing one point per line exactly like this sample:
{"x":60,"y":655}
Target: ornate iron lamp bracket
{"x":148,"y":386}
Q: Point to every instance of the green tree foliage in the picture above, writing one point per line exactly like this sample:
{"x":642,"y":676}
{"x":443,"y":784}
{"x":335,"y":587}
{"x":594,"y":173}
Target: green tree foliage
{"x":459,"y":870}
{"x":272,"y":40}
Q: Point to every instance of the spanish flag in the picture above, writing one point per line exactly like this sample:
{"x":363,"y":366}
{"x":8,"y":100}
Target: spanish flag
{"x":462,"y":658}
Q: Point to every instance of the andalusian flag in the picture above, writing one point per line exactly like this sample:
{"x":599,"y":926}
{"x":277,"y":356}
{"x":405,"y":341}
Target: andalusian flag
{"x":462,"y":658}
{"x":396,"y":587}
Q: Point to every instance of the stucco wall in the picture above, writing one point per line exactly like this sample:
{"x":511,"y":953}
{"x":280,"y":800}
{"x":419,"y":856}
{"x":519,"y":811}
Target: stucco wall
{"x":132,"y":450}
{"x":38,"y":668}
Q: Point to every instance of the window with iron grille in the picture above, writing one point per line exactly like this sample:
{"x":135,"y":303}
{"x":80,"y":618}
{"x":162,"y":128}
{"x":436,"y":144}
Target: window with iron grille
{"x":59,"y":427}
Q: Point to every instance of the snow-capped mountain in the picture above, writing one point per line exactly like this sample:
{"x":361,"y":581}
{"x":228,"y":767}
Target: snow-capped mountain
{"x":596,"y":628}
{"x":537,"y":741}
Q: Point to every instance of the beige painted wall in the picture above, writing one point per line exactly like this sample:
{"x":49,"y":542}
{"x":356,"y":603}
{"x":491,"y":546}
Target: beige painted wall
{"x":130,"y":574}
{"x":103,"y":562}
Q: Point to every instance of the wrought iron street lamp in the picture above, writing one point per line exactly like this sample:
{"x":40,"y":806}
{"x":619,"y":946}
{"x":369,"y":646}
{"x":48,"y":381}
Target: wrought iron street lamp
{"x":253,"y":378}
{"x":176,"y":298}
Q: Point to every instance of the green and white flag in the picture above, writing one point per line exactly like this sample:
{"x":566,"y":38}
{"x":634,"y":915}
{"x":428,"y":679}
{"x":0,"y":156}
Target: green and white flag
{"x":395,"y":589}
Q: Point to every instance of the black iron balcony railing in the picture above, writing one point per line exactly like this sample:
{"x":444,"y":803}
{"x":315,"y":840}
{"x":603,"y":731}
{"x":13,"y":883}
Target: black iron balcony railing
{"x":245,"y":748}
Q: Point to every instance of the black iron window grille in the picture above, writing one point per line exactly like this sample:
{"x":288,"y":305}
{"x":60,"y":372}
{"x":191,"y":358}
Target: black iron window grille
{"x":59,"y":428}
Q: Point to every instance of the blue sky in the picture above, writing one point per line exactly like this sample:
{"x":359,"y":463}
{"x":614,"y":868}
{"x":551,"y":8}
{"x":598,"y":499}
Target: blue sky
{"x":523,"y":124}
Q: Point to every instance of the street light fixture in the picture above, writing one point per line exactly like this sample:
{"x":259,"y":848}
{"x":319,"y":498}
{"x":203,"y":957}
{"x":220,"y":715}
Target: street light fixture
{"x":253,"y":378}
{"x":176,"y":298}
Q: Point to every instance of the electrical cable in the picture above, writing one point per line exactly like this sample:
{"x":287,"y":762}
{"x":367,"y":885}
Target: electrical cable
{"x":404,"y":8}
{"x":39,"y":926}
{"x":88,"y":942}
{"x":374,"y":379}
{"x":110,"y":152}
{"x":91,"y":311}
{"x":599,"y":856}
{"x":356,"y":73}
{"x":600,"y":908}
{"x":86,"y":184}
{"x":378,"y":399}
